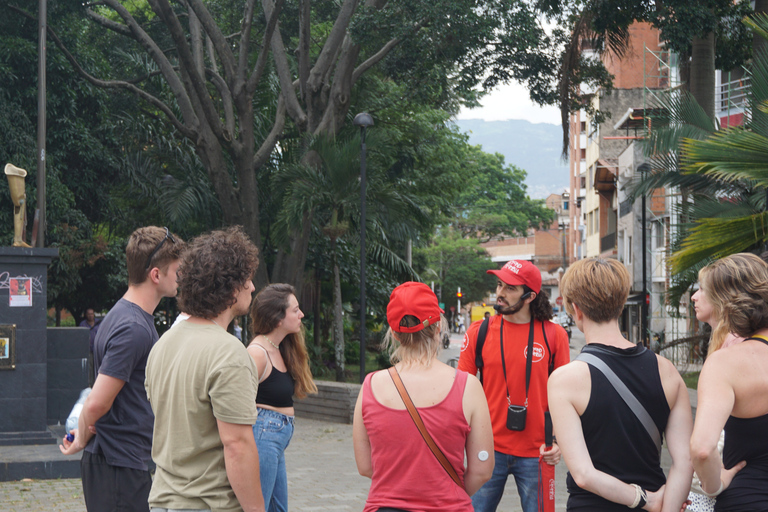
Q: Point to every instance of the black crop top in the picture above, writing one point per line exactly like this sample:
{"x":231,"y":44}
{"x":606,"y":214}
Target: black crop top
{"x":277,"y":389}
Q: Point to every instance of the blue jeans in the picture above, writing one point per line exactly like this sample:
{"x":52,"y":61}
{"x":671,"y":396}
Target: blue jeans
{"x":526,"y":473}
{"x":273,"y":432}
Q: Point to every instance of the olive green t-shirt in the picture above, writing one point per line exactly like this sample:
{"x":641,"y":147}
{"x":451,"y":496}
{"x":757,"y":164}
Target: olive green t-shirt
{"x":197,"y":374}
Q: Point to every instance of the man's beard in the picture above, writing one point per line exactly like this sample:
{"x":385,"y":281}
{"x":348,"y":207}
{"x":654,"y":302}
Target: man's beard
{"x":511,"y":310}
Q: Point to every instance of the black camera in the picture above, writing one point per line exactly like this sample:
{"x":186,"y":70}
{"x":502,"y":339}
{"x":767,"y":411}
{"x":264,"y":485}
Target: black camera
{"x":516,"y":417}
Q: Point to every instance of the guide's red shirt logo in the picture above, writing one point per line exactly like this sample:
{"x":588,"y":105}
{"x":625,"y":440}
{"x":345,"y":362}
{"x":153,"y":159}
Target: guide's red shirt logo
{"x":538,"y":352}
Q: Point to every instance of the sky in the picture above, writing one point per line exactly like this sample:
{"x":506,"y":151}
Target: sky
{"x":511,"y":102}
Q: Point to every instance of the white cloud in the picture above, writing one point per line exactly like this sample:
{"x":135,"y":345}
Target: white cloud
{"x":511,"y":102}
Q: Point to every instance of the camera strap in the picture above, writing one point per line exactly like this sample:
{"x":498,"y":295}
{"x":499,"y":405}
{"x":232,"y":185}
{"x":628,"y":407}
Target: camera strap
{"x":528,"y":360}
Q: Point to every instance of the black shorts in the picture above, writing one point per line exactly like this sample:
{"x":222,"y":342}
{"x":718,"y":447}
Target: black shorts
{"x":109,"y":488}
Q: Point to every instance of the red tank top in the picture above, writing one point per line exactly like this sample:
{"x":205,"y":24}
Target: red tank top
{"x":406,"y":473}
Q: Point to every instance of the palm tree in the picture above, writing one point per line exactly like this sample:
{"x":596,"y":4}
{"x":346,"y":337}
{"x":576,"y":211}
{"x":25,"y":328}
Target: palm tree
{"x":329,"y":194}
{"x":738,"y":159}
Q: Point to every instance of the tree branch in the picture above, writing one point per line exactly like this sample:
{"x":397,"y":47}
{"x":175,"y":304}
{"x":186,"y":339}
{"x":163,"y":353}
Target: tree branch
{"x":245,"y":36}
{"x":165,"y":66}
{"x":262,"y":155}
{"x":261,"y":61}
{"x":305,"y":35}
{"x":331,"y":47}
{"x":195,"y":81}
{"x":219,"y":41}
{"x":121,"y":29}
{"x":284,"y":71}
{"x":226,"y":99}
{"x":375,"y":58}
{"x":112,"y":84}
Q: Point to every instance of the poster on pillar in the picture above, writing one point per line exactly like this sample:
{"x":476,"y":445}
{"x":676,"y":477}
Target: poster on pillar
{"x":20,"y":295}
{"x":7,"y":347}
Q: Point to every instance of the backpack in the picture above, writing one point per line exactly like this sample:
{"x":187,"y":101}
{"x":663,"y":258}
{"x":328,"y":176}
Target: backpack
{"x":483,"y":332}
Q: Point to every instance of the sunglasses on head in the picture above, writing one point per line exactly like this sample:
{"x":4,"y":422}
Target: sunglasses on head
{"x":168,"y":236}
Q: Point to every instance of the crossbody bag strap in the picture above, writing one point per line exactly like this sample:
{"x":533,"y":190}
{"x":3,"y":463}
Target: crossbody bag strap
{"x":626,"y":395}
{"x":416,"y":417}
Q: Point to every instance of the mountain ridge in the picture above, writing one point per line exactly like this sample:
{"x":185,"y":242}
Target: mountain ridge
{"x":533,"y":147}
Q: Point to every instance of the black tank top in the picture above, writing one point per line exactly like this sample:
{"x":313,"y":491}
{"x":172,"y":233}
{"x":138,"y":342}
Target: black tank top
{"x":746,"y":439}
{"x":618,"y":443}
{"x":277,"y":389}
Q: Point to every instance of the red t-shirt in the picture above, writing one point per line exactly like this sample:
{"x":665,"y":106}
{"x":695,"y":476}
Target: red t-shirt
{"x":524,"y":443}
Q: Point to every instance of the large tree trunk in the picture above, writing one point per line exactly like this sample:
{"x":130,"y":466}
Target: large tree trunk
{"x":338,"y":320}
{"x":703,"y":72}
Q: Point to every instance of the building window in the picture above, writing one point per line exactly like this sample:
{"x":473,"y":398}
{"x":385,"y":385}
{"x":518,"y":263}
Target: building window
{"x":583,"y":126}
{"x":629,"y":250}
{"x":565,"y":205}
{"x":583,"y":153}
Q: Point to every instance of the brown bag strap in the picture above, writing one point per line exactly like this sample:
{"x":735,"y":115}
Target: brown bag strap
{"x":441,"y":458}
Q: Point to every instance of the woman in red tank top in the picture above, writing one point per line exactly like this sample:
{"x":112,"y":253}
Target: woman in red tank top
{"x":389,"y":447}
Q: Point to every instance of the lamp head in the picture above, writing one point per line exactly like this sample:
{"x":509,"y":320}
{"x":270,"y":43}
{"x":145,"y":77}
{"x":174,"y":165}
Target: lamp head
{"x":363,"y":120}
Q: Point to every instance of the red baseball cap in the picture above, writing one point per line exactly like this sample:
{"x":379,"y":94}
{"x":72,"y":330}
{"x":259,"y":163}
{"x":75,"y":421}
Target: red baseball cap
{"x":519,"y":272}
{"x":415,"y":299}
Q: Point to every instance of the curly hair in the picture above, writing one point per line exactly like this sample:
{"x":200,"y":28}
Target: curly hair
{"x":214,"y":267}
{"x":267,"y":310}
{"x":140,"y":255}
{"x":541,"y":308}
{"x":737,"y":287}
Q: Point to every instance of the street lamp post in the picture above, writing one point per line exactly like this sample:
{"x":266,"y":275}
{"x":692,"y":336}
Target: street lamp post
{"x":644,"y":168}
{"x":363,"y":120}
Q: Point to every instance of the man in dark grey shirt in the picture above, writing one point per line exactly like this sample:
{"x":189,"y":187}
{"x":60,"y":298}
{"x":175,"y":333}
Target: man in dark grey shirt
{"x":115,"y":426}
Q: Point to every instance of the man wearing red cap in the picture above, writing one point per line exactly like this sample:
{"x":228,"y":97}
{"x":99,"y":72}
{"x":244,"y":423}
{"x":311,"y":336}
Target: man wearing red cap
{"x":516,"y":384}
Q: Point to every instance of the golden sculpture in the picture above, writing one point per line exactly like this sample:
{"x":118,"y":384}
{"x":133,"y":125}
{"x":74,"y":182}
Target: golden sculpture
{"x":16,"y":177}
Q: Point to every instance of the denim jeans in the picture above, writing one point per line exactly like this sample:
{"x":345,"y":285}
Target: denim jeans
{"x":273,"y":432}
{"x":526,"y":473}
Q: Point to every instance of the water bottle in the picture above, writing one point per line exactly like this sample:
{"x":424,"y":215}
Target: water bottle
{"x":74,"y":415}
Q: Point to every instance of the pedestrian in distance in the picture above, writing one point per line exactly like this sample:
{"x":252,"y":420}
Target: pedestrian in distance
{"x":281,"y":358}
{"x":733,"y":388}
{"x":115,"y":424}
{"x":611,"y":405}
{"x":390,"y":447}
{"x":515,"y":351}
{"x":202,"y":385}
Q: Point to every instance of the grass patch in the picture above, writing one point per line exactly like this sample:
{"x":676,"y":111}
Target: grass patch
{"x":691,"y":379}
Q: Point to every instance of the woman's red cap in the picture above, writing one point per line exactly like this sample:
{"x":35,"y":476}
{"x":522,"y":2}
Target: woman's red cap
{"x":415,"y":299}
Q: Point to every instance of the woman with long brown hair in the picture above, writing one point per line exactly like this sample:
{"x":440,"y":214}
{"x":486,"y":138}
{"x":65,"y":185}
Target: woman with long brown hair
{"x":281,"y":358}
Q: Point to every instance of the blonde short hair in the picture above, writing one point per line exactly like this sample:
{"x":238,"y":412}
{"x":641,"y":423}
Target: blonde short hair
{"x":598,"y":286}
{"x":414,"y":347}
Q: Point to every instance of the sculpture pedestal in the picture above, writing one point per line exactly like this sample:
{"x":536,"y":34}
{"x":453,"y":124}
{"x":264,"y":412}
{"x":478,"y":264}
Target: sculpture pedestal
{"x":23,"y":389}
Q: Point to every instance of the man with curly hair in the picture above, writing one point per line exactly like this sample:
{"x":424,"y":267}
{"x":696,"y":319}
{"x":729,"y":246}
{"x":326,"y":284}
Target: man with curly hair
{"x":115,"y":425}
{"x":521,"y":348}
{"x":202,"y":385}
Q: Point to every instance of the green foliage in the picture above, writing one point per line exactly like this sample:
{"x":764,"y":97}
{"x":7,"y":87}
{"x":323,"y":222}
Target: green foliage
{"x":452,"y":261}
{"x":493,"y":201}
{"x":734,"y":162}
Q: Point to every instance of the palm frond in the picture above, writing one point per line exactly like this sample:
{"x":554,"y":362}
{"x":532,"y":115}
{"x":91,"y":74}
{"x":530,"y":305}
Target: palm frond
{"x":729,"y":155}
{"x":715,"y":238}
